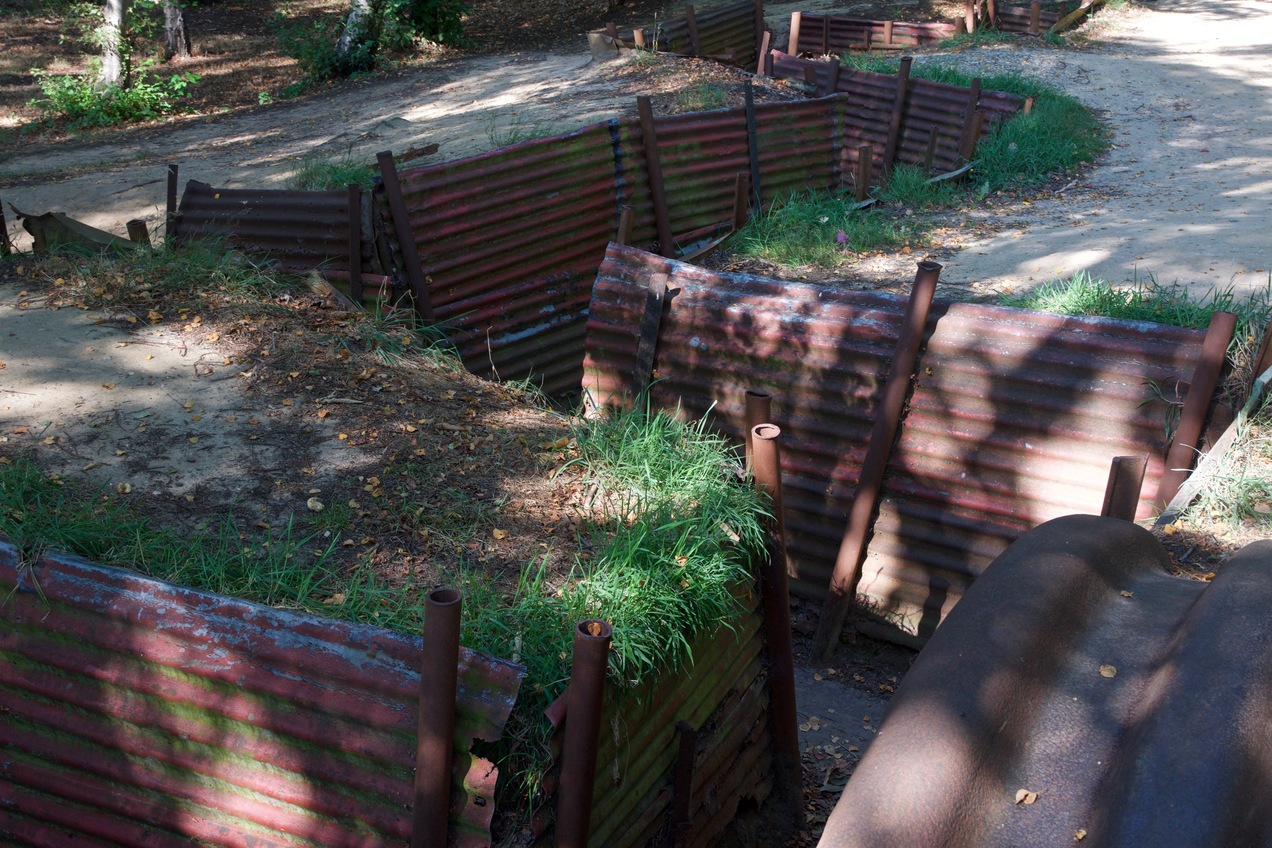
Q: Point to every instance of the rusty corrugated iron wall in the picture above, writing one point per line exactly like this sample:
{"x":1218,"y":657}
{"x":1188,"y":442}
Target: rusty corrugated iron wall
{"x":722,"y":699}
{"x":1014,"y":419}
{"x":299,"y":230}
{"x":1019,"y":18}
{"x":1016,"y":423}
{"x":136,"y":712}
{"x":509,"y":242}
{"x":727,"y":32}
{"x":1080,"y":694}
{"x":870,"y":99}
{"x":820,"y":35}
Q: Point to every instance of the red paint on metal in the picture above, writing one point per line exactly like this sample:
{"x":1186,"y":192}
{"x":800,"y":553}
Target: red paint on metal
{"x":729,"y":31}
{"x":584,"y":700}
{"x":133,"y":703}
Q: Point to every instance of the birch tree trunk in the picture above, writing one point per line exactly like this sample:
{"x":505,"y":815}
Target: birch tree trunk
{"x":112,"y":71}
{"x":176,"y":40}
{"x":354,"y":28}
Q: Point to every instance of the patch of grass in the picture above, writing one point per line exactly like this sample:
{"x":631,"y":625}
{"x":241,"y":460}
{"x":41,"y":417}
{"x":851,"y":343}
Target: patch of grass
{"x":399,"y":337}
{"x":317,"y":173}
{"x":77,"y":98}
{"x":910,"y":186}
{"x":514,"y":132}
{"x":703,"y":97}
{"x":1238,"y":486}
{"x":817,"y":228}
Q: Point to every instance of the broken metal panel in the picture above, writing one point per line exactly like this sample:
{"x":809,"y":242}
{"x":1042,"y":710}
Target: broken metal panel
{"x":134,"y":706}
{"x":1079,"y":693}
{"x":1015,"y":417}
{"x":820,"y":34}
{"x":54,"y":232}
{"x":509,"y":242}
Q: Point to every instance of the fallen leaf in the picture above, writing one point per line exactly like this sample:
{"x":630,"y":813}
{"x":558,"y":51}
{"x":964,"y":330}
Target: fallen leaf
{"x":343,"y":436}
{"x":336,"y":599}
{"x":150,"y":356}
{"x":213,"y":337}
{"x":108,"y":386}
{"x":561,"y":443}
{"x":48,"y":440}
{"x":1079,"y":834}
{"x":1108,"y":671}
{"x":1126,"y":594}
{"x":1170,"y":529}
{"x":323,"y":413}
{"x":123,"y":488}
{"x":1025,"y":796}
{"x":18,"y":431}
{"x":194,"y":440}
{"x":154,"y":315}
{"x":499,"y":534}
{"x":315,"y":505}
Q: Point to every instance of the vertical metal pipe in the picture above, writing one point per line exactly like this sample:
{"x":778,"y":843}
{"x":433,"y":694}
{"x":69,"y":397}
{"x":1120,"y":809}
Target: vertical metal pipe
{"x":761,"y":58}
{"x":792,"y":44}
{"x":611,"y":29}
{"x":1121,"y":495}
{"x":138,"y":232}
{"x":170,"y":216}
{"x":930,"y":153}
{"x":843,"y":582}
{"x":992,"y":13}
{"x":967,"y":141}
{"x":692,"y":21}
{"x":355,"y":242}
{"x":435,"y":744}
{"x":1029,"y":104}
{"x":760,"y":32}
{"x":825,"y":35}
{"x":865,"y":163}
{"x":682,"y":787}
{"x":753,"y":145}
{"x":971,"y":16}
{"x":657,"y":190}
{"x":1035,"y":17}
{"x":741,"y":200}
{"x":775,"y":596}
{"x":1205,"y":378}
{"x":887,"y":33}
{"x":582,"y":732}
{"x":898,"y":114}
{"x":832,"y":86}
{"x":406,"y":238}
{"x":638,"y":38}
{"x":625,"y":217}
{"x":759,"y":410}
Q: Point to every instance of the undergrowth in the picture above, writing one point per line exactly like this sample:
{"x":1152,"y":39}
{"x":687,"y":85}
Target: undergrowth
{"x":818,"y":228}
{"x":316,"y":173}
{"x":77,"y":99}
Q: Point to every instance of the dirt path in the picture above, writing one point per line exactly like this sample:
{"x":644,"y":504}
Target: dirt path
{"x":466,"y":106}
{"x":1184,"y":196}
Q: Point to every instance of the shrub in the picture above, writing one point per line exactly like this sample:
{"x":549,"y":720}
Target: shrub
{"x":76,"y":97}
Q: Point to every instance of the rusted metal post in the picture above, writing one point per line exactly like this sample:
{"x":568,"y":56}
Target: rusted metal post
{"x":776,"y":599}
{"x":1029,"y":104}
{"x":170,"y":216}
{"x":825,"y":35}
{"x":1179,"y":459}
{"x":611,"y":29}
{"x":792,"y":44}
{"x":865,"y":164}
{"x":138,"y":232}
{"x":760,"y":32}
{"x":626,"y":215}
{"x":971,"y":16}
{"x":759,"y":410}
{"x":887,"y":33}
{"x":406,"y":238}
{"x":967,"y":141}
{"x":1035,"y":17}
{"x":960,"y":25}
{"x":832,"y":86}
{"x":898,"y":113}
{"x":435,"y":743}
{"x":991,"y":13}
{"x":753,"y":145}
{"x":647,"y":341}
{"x":1262,"y":359}
{"x":1121,"y":495}
{"x":582,"y":732}
{"x":843,"y":582}
{"x":355,"y":242}
{"x":6,"y":246}
{"x":692,"y":20}
{"x":657,"y":191}
{"x":761,"y":58}
{"x":638,"y":38}
{"x":930,"y":154}
{"x":741,"y":200}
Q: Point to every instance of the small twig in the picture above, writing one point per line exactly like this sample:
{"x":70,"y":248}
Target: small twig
{"x":333,"y":399}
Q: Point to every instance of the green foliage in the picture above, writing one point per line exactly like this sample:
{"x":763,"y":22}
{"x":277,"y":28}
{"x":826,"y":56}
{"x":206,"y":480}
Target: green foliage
{"x":76,"y":98}
{"x":389,"y":25}
{"x":1237,"y":488}
{"x":703,"y":97}
{"x":816,"y":228}
{"x":517,"y":131}
{"x":317,"y":174}
{"x":909,"y":186}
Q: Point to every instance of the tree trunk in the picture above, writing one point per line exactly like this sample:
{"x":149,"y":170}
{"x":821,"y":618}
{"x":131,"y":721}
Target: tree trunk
{"x":176,"y":40}
{"x":112,"y":71}
{"x":354,"y":28}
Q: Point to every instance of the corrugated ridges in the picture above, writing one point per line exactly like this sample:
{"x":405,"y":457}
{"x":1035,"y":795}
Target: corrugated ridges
{"x":723,"y":693}
{"x":1014,"y":420}
{"x":509,"y":242}
{"x":823,"y":354}
{"x":300,"y":230}
{"x":720,"y":31}
{"x":136,"y":706}
{"x":1016,"y":19}
{"x":832,"y":34}
{"x":799,"y":148}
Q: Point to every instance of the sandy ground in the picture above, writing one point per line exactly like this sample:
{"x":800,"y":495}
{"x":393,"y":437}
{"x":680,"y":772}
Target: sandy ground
{"x":1184,"y":196}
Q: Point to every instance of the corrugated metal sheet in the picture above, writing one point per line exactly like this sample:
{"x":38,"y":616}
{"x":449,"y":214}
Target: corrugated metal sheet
{"x":828,"y":34}
{"x":723,"y":695}
{"x":141,"y":713}
{"x":727,"y":31}
{"x":1013,"y":421}
{"x":300,"y":230}
{"x":1133,"y":703}
{"x":870,"y":98}
{"x":1016,"y":19}
{"x":1017,"y":421}
{"x":509,"y":242}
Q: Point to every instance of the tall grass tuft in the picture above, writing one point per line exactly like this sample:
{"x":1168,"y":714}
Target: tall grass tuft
{"x":316,"y":173}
